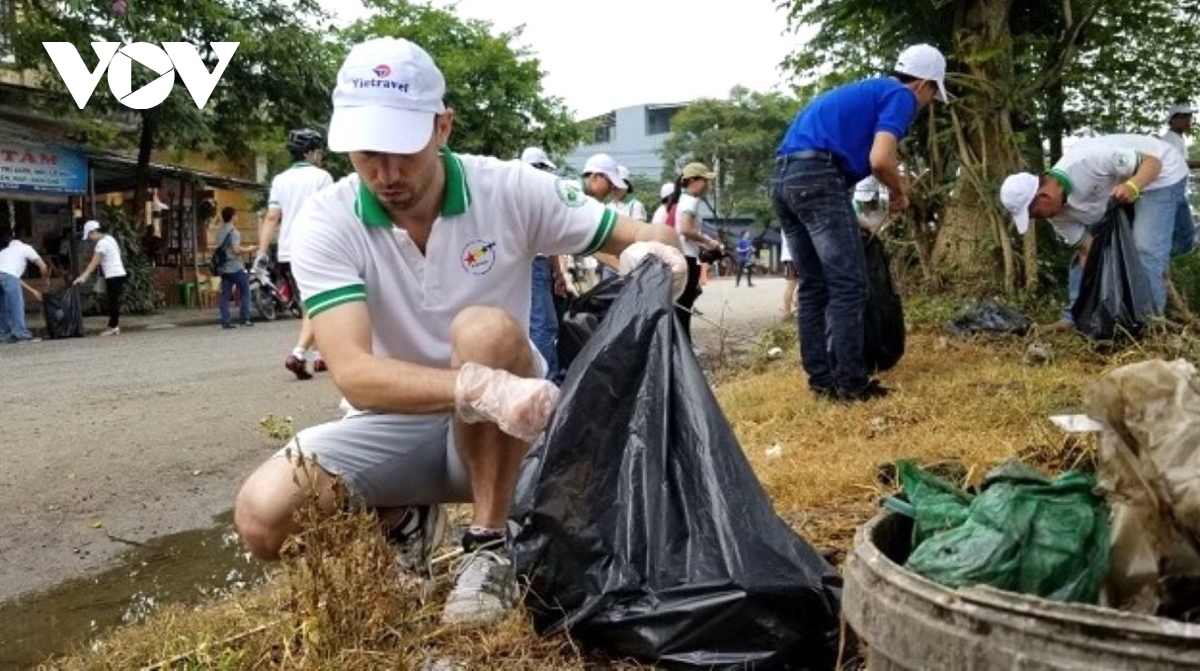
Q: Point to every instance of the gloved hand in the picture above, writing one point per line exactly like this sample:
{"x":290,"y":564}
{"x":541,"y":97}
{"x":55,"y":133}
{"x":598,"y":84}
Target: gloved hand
{"x":634,"y":254}
{"x":520,"y":406}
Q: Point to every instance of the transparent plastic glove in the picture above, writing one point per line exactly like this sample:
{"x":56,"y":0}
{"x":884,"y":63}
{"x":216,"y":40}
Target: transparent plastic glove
{"x":634,"y":254}
{"x":520,"y":406}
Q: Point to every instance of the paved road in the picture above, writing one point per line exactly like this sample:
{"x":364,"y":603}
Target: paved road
{"x":146,"y":434}
{"x":151,"y":432}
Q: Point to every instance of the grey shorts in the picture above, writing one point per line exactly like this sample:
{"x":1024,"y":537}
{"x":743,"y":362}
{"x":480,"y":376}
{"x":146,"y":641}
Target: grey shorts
{"x":389,"y":461}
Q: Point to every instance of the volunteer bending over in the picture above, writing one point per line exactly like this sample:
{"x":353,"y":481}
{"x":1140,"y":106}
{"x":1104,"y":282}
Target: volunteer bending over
{"x":415,"y":273}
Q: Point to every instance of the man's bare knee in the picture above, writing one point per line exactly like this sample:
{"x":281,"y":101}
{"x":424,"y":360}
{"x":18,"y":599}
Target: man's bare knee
{"x":264,"y":511}
{"x":492,"y":337}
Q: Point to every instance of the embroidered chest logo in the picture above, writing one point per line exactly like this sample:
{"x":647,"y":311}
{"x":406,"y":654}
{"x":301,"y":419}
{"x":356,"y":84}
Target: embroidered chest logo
{"x":479,"y":256}
{"x":569,"y":193}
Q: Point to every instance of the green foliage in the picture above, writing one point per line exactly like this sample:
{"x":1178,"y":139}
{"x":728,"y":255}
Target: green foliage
{"x":742,"y":132}
{"x":493,"y":83}
{"x":278,"y":77}
{"x":140,"y":295}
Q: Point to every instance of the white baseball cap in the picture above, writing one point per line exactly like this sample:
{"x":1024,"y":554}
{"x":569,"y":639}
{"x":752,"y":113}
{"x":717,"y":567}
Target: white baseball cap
{"x":666,"y":190}
{"x":603,"y":164}
{"x":924,"y":62}
{"x":866,"y":190}
{"x":623,"y":172}
{"x":1017,"y":194}
{"x":90,"y":226}
{"x":388,"y":92}
{"x":536,"y":156}
{"x":1182,"y":109}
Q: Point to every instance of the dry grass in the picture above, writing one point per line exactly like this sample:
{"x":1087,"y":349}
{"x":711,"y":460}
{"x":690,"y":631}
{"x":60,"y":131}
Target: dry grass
{"x":339,"y":602}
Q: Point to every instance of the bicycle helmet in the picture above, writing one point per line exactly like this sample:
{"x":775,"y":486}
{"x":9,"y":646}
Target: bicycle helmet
{"x":302,"y":141}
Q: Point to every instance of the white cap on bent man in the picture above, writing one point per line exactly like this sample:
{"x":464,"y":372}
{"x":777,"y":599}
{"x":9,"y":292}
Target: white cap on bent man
{"x":1017,"y":194}
{"x":536,"y":156}
{"x":388,"y":92}
{"x":924,"y":62}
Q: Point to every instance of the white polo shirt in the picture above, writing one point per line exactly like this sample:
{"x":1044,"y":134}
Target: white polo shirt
{"x":495,"y":217}
{"x":631,"y":208}
{"x":15,"y":257}
{"x":1092,"y":168}
{"x":111,"y":265}
{"x":289,"y":190}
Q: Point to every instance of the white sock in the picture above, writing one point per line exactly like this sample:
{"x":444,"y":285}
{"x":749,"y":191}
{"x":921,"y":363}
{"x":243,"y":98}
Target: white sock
{"x":317,"y":355}
{"x":300,"y":353}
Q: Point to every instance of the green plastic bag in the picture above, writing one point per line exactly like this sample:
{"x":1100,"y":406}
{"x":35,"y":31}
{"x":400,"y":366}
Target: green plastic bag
{"x":1024,"y":533}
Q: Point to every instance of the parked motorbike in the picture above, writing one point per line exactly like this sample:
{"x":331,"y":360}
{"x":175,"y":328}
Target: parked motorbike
{"x":271,"y":296}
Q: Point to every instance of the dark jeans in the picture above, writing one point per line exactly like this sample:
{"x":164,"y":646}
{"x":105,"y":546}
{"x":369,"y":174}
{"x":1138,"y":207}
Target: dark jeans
{"x":543,"y":318}
{"x":813,"y":202}
{"x":113,"y":287}
{"x":690,"y":293}
{"x":242,"y":279}
{"x":747,"y":268}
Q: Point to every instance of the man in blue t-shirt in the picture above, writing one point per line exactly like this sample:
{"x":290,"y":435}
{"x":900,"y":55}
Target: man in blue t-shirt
{"x":839,"y":139}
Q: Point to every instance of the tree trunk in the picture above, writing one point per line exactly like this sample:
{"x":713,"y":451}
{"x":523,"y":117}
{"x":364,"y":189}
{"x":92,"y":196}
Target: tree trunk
{"x":973,"y":245}
{"x":145,"y":145}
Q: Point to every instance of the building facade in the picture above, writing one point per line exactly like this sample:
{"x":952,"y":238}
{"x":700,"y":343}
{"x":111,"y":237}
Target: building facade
{"x":633,"y":136}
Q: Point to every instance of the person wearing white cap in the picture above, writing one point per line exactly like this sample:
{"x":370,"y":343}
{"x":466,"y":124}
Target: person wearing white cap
{"x":415,"y":272}
{"x":601,"y":175}
{"x":841,"y":137}
{"x":664,"y":195}
{"x":106,"y":255}
{"x":1179,"y":124}
{"x":868,"y":205}
{"x":536,"y":157}
{"x":622,"y":199}
{"x":1074,"y":195}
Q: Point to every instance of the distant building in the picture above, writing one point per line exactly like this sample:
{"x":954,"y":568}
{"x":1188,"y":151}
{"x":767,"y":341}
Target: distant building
{"x":631,"y":135}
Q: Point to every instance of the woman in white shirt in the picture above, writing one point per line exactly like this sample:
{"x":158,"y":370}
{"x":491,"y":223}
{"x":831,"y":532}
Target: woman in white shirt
{"x":664,"y":196}
{"x":685,"y":212}
{"x":107,"y":256}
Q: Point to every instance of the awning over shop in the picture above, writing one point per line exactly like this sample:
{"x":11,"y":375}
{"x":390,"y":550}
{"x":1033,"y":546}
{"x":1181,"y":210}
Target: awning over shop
{"x":115,"y":172}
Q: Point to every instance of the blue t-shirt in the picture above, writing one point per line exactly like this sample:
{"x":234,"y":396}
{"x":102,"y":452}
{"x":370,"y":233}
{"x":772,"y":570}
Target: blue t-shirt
{"x":745,"y":249}
{"x":844,"y":122}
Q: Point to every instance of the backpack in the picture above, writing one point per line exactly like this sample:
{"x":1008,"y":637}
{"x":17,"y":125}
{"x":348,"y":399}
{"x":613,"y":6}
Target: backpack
{"x":219,"y":256}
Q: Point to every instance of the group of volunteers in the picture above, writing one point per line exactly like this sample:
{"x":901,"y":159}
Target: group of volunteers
{"x":429,"y":278}
{"x":851,"y":133}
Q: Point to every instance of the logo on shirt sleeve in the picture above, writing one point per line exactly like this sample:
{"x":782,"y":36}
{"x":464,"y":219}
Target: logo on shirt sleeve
{"x":569,"y":192}
{"x":479,"y":256}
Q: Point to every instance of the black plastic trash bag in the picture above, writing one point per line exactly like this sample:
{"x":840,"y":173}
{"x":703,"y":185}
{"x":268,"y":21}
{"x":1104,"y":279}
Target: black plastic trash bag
{"x":883,"y":318}
{"x":884,"y":344}
{"x":990,"y":317}
{"x":641,"y":528}
{"x":64,"y":313}
{"x":1114,"y":298}
{"x":582,"y":317}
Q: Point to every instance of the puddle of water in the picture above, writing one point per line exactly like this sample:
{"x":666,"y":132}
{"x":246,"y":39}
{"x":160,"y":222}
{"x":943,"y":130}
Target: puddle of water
{"x":180,"y":568}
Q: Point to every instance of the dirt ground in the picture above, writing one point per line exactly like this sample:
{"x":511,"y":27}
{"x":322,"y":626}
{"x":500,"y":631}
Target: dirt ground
{"x":107,"y":440}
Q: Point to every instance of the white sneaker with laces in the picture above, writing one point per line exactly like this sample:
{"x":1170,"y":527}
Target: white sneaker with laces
{"x":483,"y":591}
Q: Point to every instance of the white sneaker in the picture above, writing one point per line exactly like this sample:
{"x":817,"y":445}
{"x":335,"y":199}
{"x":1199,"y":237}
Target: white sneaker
{"x":483,"y":591}
{"x":112,"y":331}
{"x":417,"y":535}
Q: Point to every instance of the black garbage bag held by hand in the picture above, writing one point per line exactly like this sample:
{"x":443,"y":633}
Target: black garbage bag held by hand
{"x":582,"y":318}
{"x":639,"y":524}
{"x":1114,"y":298}
{"x":884,"y":340}
{"x":64,"y":313}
